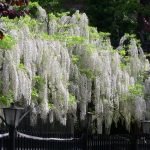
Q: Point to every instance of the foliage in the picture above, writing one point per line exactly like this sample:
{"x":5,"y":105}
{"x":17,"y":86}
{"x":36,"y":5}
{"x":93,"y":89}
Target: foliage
{"x":123,"y":66}
{"x":74,"y":40}
{"x":104,"y":35}
{"x":7,"y":42}
{"x":72,"y":99}
{"x":147,"y":97}
{"x":6,"y":99}
{"x":45,"y":36}
{"x":116,"y":17}
{"x":64,"y":37}
{"x":33,"y":9}
{"x":19,"y":23}
{"x":51,"y":106}
{"x":30,"y":22}
{"x":61,"y":14}
{"x":88,"y":72}
{"x":9,"y":23}
{"x":90,"y":48}
{"x":22,"y":67}
{"x":93,"y":33}
{"x":38,"y":83}
{"x":122,"y":52}
{"x":57,"y":36}
{"x":52,"y":16}
{"x":136,"y":90}
{"x":33,"y":4}
{"x":34,"y":94}
{"x":124,"y":59}
{"x":16,"y":11}
{"x":75,"y":59}
{"x":49,"y":5}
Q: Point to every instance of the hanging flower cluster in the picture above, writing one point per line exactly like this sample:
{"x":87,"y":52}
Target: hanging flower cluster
{"x":75,"y":66}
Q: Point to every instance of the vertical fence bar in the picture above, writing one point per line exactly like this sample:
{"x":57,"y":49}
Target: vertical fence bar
{"x":5,"y":142}
{"x":84,"y":138}
{"x":1,"y":143}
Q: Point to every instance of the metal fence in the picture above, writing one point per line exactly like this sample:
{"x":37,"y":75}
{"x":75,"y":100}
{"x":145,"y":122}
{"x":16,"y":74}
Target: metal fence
{"x":49,"y":141}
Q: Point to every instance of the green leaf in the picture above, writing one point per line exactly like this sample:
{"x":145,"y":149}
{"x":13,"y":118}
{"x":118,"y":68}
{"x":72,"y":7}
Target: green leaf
{"x":7,"y":42}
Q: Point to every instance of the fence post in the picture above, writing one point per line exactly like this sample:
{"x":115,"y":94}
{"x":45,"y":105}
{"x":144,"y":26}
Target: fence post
{"x":133,"y":143}
{"x":84,"y":141}
{"x":12,"y":136}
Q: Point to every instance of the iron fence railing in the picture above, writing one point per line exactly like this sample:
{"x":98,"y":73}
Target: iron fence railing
{"x":52,"y":141}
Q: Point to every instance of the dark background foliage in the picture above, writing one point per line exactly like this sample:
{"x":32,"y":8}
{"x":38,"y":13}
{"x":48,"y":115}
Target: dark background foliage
{"x":114,"y":16}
